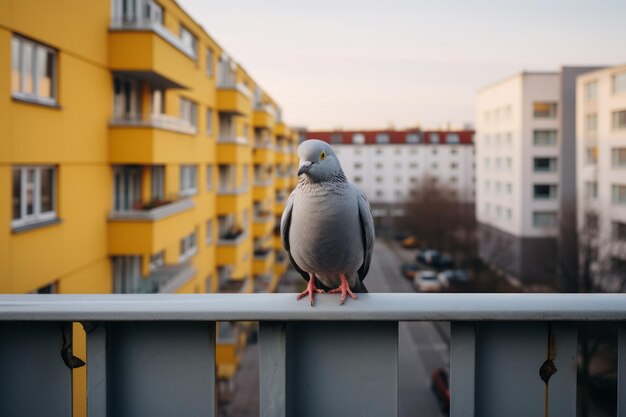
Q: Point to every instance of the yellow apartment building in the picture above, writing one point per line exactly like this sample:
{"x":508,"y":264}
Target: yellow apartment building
{"x":135,"y":157}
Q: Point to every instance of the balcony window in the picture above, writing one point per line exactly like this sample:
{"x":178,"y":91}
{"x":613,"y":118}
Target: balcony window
{"x":591,"y":190}
{"x":434,"y":138}
{"x":591,"y":155}
{"x":544,"y":219}
{"x":188,"y":246}
{"x":544,"y":137}
{"x":188,"y":40}
{"x":619,"y":119}
{"x":226,"y":73}
{"x":618,"y":157}
{"x":127,"y":183}
{"x":188,"y":179}
{"x":157,"y":183}
{"x":544,"y":110}
{"x":210,"y":63}
{"x":618,"y":230}
{"x":209,"y":177}
{"x":618,"y":193}
{"x":126,"y":274}
{"x":591,"y":122}
{"x":157,"y":260}
{"x":358,"y":138}
{"x":619,"y":82}
{"x":454,"y":165}
{"x":591,"y":90}
{"x":453,"y":138}
{"x":336,"y":138}
{"x":544,"y":191}
{"x":126,"y":99}
{"x":544,"y":164}
{"x":382,"y":138}
{"x":413,"y":138}
{"x":34,"y":195}
{"x":189,"y":112}
{"x":33,"y":71}
{"x":208,"y":232}
{"x":227,"y":127}
{"x":227,"y":178}
{"x":209,"y":122}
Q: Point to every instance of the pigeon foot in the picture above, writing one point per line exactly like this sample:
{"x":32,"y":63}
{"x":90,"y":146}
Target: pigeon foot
{"x":311,"y":289}
{"x":344,"y":289}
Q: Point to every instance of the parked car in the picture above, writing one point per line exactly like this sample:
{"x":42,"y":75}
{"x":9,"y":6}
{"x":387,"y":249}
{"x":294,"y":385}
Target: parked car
{"x":445,"y":261}
{"x":410,"y":242}
{"x":427,"y":281}
{"x":440,"y":387}
{"x":427,"y":256}
{"x":409,"y":269}
{"x":454,"y":277}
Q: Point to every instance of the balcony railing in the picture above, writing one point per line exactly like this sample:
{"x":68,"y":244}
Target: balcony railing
{"x":140,"y":24}
{"x":167,"y":278}
{"x":153,"y":213}
{"x":159,"y":121}
{"x":154,"y":355}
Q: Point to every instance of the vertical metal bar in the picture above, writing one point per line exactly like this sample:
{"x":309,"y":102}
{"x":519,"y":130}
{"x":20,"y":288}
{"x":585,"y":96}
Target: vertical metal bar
{"x":34,"y":380}
{"x":273,"y":369}
{"x":462,"y":369}
{"x":621,"y":370}
{"x":96,"y":369}
{"x":562,"y":385}
{"x":161,"y":369}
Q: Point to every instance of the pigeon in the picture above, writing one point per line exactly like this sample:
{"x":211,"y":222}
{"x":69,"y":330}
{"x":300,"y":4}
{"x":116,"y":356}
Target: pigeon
{"x":327,"y":228}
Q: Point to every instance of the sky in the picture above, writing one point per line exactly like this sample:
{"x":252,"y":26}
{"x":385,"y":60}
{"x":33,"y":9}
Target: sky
{"x":401,"y":63}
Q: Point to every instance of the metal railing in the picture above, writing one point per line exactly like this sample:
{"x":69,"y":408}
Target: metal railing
{"x":142,"y":24}
{"x":154,"y":355}
{"x":159,"y":121}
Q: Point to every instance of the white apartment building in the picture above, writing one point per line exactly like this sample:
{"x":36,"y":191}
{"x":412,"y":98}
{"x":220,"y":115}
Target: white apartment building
{"x":388,"y":165}
{"x":601,"y":177}
{"x":525,"y":153}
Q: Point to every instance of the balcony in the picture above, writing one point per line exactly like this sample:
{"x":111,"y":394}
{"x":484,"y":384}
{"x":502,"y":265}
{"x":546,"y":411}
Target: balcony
{"x":282,"y":129}
{"x":166,"y":279}
{"x":233,"y":151}
{"x":263,"y":153}
{"x":263,"y":224}
{"x":264,"y":117}
{"x":263,"y":190}
{"x":282,"y":182}
{"x":143,"y":45}
{"x":234,"y":98}
{"x":154,"y":139}
{"x":144,"y":231}
{"x":232,"y":200}
{"x":347,"y":355}
{"x":262,"y":262}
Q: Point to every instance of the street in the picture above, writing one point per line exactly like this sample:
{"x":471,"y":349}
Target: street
{"x":422,"y":347}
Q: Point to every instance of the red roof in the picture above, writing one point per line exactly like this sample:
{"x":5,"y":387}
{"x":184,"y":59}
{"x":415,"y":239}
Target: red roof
{"x":466,"y":137}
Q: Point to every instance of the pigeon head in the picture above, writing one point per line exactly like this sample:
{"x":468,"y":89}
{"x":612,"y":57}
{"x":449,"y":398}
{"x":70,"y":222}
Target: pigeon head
{"x":318,"y":162}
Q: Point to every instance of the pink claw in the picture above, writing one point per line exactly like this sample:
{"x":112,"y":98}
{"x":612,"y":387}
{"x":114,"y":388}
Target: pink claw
{"x":344,"y":289}
{"x":311,"y":289}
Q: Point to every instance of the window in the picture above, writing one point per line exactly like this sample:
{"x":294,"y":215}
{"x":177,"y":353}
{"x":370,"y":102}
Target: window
{"x":591,"y":90}
{"x":454,"y":165}
{"x":544,"y":164}
{"x":619,"y":119}
{"x":227,"y":179}
{"x":126,"y":274}
{"x":127,"y":184}
{"x":453,"y":138}
{"x":544,"y":110}
{"x":434,"y":138}
{"x":413,"y":138}
{"x":618,"y":156}
{"x":188,"y":179}
{"x":412,"y":180}
{"x":358,"y":179}
{"x":509,"y":188}
{"x":544,"y":191}
{"x":208,"y":232}
{"x":618,"y":193}
{"x":33,"y":71}
{"x":544,"y":219}
{"x":379,"y":193}
{"x":413,"y":165}
{"x":619,"y":230}
{"x":379,"y":179}
{"x":157,"y":260}
{"x":453,"y":151}
{"x":382,"y":138}
{"x":210,"y":63}
{"x":189,"y":112}
{"x":188,"y":246}
{"x":209,"y":177}
{"x":591,"y":155}
{"x":358,"y":165}
{"x":336,"y":138}
{"x":591,"y":122}
{"x":433,"y":165}
{"x":398,"y":179}
{"x":358,"y":138}
{"x":34,"y":195}
{"x":509,"y":214}
{"x":157,"y":183}
{"x":379,"y":151}
{"x":619,"y":82}
{"x":209,"y":121}
{"x":126,"y":99}
{"x":379,"y":165}
{"x":544,"y":137}
{"x":188,"y":40}
{"x":591,"y":190}
{"x":434,"y":151}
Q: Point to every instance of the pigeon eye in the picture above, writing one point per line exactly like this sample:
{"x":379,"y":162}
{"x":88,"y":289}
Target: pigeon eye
{"x":323,"y":155}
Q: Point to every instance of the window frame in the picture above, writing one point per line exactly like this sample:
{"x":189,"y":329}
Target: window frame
{"x":37,"y":216}
{"x":33,"y":96}
{"x":188,"y":184}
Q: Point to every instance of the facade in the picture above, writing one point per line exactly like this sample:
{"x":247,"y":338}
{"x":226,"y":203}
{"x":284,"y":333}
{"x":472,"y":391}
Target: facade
{"x":525,"y":152}
{"x":387,"y":164}
{"x":601,"y":179}
{"x":130,"y":145}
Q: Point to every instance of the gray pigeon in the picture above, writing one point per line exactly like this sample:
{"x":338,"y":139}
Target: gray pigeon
{"x":327,"y":227}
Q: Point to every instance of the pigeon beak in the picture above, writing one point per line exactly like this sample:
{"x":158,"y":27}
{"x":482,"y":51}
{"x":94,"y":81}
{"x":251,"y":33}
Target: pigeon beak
{"x":304,"y":167}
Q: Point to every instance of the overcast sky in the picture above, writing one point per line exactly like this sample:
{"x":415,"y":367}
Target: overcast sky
{"x":374,"y":64}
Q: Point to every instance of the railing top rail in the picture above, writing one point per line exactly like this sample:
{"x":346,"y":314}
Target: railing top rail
{"x":284,"y":307}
